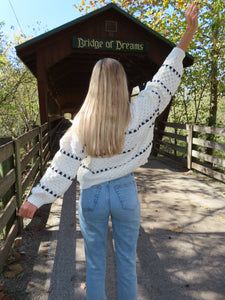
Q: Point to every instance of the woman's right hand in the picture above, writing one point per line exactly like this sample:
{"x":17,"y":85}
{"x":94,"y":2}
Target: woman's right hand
{"x":27,"y":210}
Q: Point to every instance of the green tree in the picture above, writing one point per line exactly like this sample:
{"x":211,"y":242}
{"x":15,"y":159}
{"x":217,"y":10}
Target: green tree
{"x":18,"y":96}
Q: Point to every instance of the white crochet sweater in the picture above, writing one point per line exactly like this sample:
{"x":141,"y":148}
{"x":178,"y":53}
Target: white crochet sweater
{"x":71,"y":160}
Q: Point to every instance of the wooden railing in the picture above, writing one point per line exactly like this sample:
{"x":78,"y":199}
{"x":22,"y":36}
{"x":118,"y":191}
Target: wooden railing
{"x":199,"y":147}
{"x":22,"y":162}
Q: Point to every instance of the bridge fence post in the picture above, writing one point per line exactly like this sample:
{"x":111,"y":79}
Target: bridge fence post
{"x":41,"y":150}
{"x":175,"y":142}
{"x":16,"y":142}
{"x":189,"y":128}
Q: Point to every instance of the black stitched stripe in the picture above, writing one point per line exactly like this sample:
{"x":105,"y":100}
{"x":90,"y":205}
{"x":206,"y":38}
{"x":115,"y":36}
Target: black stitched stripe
{"x":143,"y":122}
{"x":162,"y":84}
{"x":48,"y":190}
{"x":139,"y":126}
{"x":126,"y":151}
{"x":173,"y":69}
{"x":70,"y":154}
{"x":148,"y":119}
{"x":158,"y":102}
{"x":57,"y":171}
{"x":155,"y":92}
{"x":114,"y":167}
{"x":61,"y":173}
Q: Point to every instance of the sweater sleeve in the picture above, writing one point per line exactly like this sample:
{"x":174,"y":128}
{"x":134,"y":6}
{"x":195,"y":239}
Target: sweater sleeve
{"x":158,"y":92}
{"x":62,"y":170}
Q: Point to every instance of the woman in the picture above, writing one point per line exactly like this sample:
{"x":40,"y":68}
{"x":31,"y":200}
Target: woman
{"x":109,"y":138}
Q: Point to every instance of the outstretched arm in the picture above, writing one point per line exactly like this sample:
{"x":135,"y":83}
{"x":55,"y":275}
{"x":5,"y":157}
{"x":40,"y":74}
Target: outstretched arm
{"x":158,"y":92}
{"x":58,"y":176}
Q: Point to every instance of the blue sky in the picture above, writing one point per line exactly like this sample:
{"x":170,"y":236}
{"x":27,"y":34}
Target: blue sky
{"x":50,"y":14}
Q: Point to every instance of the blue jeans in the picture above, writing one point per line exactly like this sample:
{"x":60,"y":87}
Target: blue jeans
{"x":118,"y":198}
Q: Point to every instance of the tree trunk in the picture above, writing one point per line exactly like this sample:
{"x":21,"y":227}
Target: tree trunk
{"x":213,"y":86}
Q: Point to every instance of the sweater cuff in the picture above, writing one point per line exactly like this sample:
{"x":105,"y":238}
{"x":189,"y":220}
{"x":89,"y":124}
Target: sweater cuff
{"x":178,"y":53}
{"x":37,"y":201}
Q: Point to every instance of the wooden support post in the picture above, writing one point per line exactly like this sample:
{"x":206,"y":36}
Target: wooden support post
{"x":160,"y":121}
{"x":41,"y":150}
{"x":154,"y":150}
{"x":189,"y":128}
{"x":16,"y":143}
{"x":42,"y":89}
{"x":175,"y":141}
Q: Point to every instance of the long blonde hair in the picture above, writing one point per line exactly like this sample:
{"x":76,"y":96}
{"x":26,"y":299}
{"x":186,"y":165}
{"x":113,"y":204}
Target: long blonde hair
{"x":105,"y":112}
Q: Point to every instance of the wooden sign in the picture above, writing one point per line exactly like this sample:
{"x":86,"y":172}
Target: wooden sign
{"x":114,"y":45}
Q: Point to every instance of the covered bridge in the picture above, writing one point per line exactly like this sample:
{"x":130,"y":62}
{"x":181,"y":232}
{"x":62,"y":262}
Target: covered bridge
{"x":62,"y":59}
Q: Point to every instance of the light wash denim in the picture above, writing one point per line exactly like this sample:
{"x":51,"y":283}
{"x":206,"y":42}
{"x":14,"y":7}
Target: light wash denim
{"x":118,"y":198}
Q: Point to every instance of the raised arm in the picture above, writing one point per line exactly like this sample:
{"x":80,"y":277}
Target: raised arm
{"x":158,"y":92}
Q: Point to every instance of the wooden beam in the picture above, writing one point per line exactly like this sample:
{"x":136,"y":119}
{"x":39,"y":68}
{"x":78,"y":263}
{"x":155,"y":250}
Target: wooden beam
{"x":42,"y":89}
{"x":208,"y":129}
{"x":208,"y":171}
{"x":160,"y":121}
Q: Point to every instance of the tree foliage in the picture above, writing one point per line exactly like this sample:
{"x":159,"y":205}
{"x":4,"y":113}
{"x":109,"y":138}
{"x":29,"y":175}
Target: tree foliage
{"x":18,"y":94}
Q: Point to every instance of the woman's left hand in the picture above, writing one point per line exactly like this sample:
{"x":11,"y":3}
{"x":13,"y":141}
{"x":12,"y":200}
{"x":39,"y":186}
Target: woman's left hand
{"x":191,"y":15}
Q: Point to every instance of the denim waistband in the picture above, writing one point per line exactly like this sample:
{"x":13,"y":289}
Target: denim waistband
{"x":129,"y":175}
{"x":115,"y":180}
